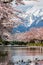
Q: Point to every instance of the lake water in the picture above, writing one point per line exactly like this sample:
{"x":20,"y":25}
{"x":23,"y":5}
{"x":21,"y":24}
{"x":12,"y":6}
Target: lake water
{"x":25,"y":53}
{"x":22,"y":55}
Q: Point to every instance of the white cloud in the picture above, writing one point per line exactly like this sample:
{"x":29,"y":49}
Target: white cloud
{"x":39,"y":4}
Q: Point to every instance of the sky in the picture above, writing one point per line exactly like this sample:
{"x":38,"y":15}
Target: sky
{"x":38,"y":3}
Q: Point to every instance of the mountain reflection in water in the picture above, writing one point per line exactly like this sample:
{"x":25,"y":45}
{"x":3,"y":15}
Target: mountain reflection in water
{"x":23,"y":55}
{"x":26,"y":54}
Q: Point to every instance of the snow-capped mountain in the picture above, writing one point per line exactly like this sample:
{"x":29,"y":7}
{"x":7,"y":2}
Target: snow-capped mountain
{"x":31,"y":16}
{"x":36,"y":16}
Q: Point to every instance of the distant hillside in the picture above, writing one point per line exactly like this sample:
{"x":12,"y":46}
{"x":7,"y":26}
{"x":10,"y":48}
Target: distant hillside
{"x":33,"y":34}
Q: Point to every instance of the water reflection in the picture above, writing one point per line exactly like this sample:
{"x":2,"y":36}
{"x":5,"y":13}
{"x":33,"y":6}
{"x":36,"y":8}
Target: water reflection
{"x":24,"y":55}
{"x":27,"y":62}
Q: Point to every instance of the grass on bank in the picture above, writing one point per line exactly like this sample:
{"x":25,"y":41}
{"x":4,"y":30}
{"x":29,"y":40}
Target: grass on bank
{"x":34,"y":44}
{"x":2,"y":42}
{"x":19,"y":43}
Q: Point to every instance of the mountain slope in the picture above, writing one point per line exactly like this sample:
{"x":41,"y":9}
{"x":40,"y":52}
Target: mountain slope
{"x":34,"y":33}
{"x":33,"y":18}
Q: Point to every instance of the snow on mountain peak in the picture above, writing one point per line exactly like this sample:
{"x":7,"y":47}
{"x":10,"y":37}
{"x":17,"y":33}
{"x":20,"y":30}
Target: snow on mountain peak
{"x":31,"y":16}
{"x":35,"y":15}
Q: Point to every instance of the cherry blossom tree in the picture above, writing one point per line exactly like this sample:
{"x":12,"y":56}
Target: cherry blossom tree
{"x":8,"y":20}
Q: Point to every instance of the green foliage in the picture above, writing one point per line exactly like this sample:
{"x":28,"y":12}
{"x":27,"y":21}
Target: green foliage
{"x":2,"y":42}
{"x":18,"y":43}
{"x":35,"y":44}
{"x":6,"y":42}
